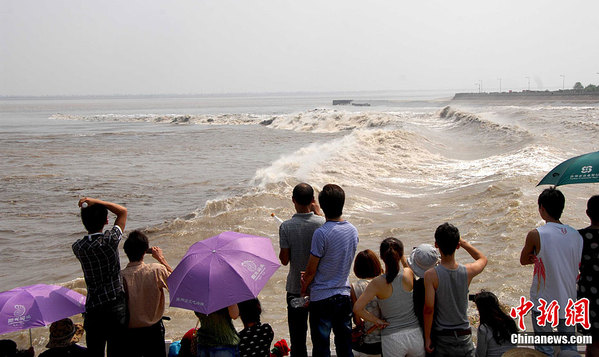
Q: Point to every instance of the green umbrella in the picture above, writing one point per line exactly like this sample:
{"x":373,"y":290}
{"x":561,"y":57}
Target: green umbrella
{"x":579,"y":169}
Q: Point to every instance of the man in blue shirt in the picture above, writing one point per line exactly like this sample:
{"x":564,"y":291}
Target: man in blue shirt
{"x":327,"y":276}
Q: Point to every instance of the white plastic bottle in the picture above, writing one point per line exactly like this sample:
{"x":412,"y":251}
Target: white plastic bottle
{"x":301,"y":301}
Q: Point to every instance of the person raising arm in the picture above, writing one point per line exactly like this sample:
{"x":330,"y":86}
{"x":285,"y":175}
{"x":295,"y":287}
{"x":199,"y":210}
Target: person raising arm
{"x":118,"y":210}
{"x":446,"y":286}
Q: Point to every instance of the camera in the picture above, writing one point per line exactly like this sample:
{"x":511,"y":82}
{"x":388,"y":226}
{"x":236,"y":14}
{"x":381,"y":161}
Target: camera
{"x":471,"y":297}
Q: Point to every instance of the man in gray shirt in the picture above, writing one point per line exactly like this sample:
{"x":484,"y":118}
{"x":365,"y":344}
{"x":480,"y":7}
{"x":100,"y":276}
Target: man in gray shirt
{"x":295,"y":240}
{"x":446,"y":296}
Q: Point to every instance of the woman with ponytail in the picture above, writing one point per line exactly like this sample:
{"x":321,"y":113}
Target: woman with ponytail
{"x":401,"y":334}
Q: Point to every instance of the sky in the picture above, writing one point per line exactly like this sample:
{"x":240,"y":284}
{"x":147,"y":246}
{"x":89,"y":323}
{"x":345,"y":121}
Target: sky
{"x":87,"y":47}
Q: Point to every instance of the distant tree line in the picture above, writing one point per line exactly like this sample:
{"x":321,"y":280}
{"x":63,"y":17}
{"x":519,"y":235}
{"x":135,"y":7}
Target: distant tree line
{"x":590,"y":88}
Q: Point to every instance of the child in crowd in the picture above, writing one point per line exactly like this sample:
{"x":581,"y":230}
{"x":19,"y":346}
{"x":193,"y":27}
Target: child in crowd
{"x":401,"y":334}
{"x":256,"y":337}
{"x":496,"y":327}
{"x":446,"y":296}
{"x":589,"y":266}
{"x":186,"y":347}
{"x":366,"y":267}
{"x":186,"y":344}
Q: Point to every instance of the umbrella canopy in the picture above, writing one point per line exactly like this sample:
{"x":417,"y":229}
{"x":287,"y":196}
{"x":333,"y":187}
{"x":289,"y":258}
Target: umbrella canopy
{"x":37,"y":305}
{"x":579,"y":169}
{"x":222,"y":270}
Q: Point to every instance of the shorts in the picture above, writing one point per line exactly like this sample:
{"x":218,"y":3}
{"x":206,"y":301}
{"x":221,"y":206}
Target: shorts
{"x":405,"y":342}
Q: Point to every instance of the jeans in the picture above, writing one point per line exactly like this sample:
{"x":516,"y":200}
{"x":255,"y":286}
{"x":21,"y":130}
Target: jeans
{"x":453,"y":346}
{"x":561,"y":328}
{"x":218,"y":351}
{"x":335,"y":314}
{"x":105,"y":326}
{"x":146,"y":341}
{"x":297,"y":320}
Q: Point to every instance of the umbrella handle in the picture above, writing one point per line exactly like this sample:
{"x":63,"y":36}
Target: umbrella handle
{"x":30,"y":339}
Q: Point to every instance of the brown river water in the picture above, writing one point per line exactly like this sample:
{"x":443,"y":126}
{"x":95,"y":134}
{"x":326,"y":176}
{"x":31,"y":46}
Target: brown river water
{"x":189,"y":168}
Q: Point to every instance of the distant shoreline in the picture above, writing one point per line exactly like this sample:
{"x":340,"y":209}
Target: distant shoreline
{"x":569,"y":96}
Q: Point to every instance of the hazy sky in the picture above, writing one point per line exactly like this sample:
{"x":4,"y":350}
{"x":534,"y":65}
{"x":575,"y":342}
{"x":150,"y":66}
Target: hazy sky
{"x":70,"y":47}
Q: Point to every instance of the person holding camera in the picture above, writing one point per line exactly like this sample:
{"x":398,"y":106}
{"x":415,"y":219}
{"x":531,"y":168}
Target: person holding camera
{"x":144,"y":285}
{"x":446,"y":296}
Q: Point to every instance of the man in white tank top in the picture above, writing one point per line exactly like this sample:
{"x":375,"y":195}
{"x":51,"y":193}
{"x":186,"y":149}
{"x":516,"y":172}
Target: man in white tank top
{"x":555,"y":249}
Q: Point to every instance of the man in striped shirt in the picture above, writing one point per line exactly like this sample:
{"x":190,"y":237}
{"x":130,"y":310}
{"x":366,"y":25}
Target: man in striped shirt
{"x":327,"y":276}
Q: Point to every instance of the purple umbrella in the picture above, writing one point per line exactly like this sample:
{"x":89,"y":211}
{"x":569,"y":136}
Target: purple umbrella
{"x":37,"y":305}
{"x":221,"y":271}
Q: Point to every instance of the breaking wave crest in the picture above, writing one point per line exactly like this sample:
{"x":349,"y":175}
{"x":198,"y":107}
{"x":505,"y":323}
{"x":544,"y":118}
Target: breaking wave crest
{"x":383,"y":155}
{"x":221,"y":119}
{"x":316,"y":120}
{"x":469,"y":120}
{"x":483,"y":129}
{"x":328,"y":121}
{"x":359,"y":159}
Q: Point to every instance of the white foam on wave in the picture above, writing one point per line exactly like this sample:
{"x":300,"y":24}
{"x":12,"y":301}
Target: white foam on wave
{"x":385,"y":153}
{"x":364,"y":158}
{"x":316,"y":120}
{"x":303,"y":164}
{"x":453,"y":174}
{"x":331,"y":121}
{"x":481,"y":124}
{"x":217,"y":119}
{"x":400,"y":163}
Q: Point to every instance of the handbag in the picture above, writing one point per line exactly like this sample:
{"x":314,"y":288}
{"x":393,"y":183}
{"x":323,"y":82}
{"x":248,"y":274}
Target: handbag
{"x":357,"y":337}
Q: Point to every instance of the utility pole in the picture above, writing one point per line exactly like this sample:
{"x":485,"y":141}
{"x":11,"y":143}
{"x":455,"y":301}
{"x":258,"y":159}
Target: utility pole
{"x":499,"y":79}
{"x":528,"y":82}
{"x":563,"y":81}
